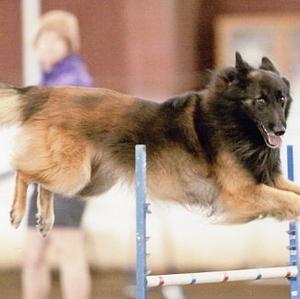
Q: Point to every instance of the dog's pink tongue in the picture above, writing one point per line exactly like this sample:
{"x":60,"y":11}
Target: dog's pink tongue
{"x":275,"y":140}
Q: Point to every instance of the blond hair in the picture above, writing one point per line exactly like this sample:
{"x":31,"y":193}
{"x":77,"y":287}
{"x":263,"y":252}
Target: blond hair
{"x":62,"y":22}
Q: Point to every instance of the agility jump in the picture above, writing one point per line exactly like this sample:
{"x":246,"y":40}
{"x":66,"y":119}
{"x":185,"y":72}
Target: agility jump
{"x":144,"y":281}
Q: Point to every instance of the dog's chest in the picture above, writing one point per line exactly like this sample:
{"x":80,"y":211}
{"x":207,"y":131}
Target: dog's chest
{"x":200,"y":191}
{"x":264,"y":165}
{"x":183,"y":184}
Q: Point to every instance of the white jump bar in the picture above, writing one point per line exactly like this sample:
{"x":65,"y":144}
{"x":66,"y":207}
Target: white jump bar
{"x":221,"y":276}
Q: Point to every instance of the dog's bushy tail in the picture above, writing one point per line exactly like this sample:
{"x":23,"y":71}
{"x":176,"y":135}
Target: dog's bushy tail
{"x":10,"y":104}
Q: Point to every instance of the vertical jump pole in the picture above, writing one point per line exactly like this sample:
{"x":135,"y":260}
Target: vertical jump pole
{"x":293,"y":233}
{"x":141,"y":209}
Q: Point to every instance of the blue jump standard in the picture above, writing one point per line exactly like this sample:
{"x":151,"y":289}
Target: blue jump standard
{"x":142,"y":209}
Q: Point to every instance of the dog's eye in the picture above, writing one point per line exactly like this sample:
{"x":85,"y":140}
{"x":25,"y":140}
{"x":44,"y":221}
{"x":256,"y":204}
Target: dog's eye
{"x":260,"y":101}
{"x":283,"y":99}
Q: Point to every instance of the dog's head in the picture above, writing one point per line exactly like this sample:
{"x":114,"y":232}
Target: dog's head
{"x":261,"y":95}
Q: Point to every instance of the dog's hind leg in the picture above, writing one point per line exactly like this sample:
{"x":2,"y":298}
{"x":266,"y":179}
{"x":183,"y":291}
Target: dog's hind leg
{"x":19,"y":202}
{"x":45,"y":214}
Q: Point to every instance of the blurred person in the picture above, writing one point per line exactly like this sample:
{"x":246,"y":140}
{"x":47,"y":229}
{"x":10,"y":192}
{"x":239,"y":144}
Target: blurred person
{"x":57,"y":44}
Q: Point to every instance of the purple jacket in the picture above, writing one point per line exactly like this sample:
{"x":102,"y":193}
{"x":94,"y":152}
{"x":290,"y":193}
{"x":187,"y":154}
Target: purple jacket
{"x":70,"y":71}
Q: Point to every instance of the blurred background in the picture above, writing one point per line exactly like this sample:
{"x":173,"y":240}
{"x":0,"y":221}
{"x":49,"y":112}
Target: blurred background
{"x":155,"y":49}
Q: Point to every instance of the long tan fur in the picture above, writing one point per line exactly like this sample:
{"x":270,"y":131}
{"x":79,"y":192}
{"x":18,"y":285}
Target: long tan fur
{"x":80,"y":141}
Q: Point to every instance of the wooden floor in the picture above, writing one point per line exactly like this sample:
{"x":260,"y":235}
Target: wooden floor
{"x":111,"y":286}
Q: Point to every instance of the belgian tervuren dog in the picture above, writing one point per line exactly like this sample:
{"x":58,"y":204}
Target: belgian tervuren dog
{"x":218,"y":147}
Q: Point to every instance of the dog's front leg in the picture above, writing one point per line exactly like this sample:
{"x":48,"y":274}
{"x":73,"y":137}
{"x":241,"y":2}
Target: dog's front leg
{"x":45,"y":214}
{"x":243,"y":205}
{"x":19,"y":203}
{"x":284,"y":184}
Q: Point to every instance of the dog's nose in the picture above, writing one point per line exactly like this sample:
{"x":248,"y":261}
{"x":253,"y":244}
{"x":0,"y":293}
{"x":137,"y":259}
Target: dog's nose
{"x":279,"y":130}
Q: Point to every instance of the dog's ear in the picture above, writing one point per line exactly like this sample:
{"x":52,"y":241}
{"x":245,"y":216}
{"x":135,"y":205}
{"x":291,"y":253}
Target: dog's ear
{"x":286,"y":81}
{"x":242,"y":67}
{"x":266,"y":64}
{"x":221,"y":79}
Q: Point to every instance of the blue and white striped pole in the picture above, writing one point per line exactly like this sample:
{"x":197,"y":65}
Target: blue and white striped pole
{"x":141,"y":209}
{"x":293,"y":233}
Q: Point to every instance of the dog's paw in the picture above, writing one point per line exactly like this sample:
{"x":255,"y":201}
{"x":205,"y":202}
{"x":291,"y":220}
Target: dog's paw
{"x":15,"y":218}
{"x":44,"y":225}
